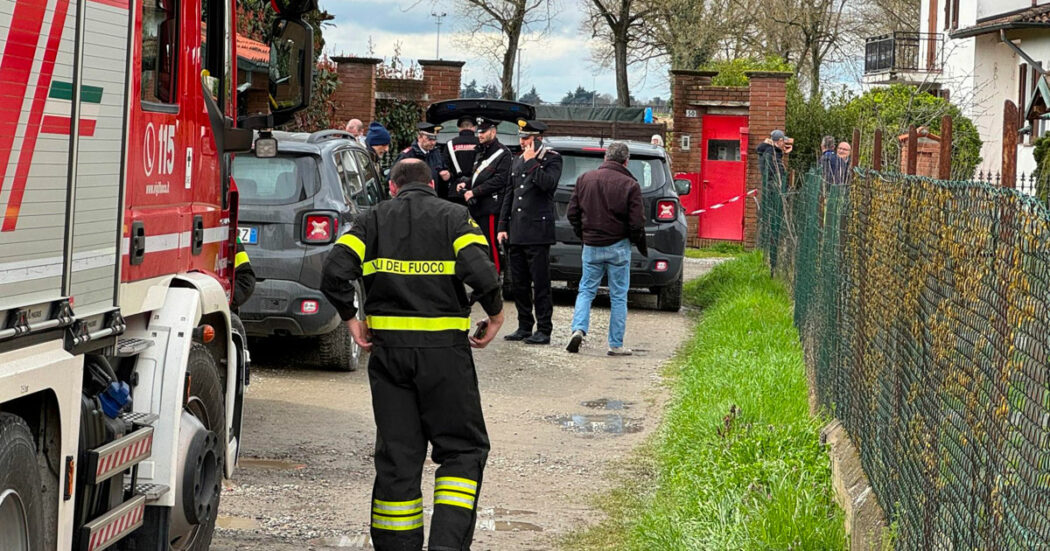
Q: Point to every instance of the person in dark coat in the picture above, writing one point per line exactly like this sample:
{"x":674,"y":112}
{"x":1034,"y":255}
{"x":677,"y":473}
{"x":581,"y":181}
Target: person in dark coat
{"x":425,"y":149}
{"x":526,"y":224}
{"x":606,"y":212}
{"x":458,"y":154}
{"x":378,"y":141}
{"x":771,"y":157}
{"x":484,"y":190}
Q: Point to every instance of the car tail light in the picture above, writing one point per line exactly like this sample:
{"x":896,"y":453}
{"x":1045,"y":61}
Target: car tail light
{"x":661,"y":265}
{"x":309,"y":307}
{"x":666,"y":211}
{"x":318,"y":229}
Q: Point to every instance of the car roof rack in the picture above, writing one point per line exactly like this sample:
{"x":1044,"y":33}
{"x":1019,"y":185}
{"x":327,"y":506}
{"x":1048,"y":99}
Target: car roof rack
{"x":324,"y":135}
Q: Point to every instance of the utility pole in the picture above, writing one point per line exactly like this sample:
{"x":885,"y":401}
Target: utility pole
{"x":439,"y":17}
{"x":520,"y":51}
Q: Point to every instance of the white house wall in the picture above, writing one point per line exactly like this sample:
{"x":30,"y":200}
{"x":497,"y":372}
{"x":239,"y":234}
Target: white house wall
{"x":996,"y":8}
{"x":995,"y":72}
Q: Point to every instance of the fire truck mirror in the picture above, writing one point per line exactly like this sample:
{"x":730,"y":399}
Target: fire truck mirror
{"x":291,"y":69}
{"x":294,"y":8}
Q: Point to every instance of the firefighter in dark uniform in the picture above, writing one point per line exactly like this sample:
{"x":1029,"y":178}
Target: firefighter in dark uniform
{"x":459,"y":154}
{"x":415,"y":253}
{"x":485,"y":189}
{"x":425,"y":149}
{"x":527,"y":225}
{"x":243,"y":277}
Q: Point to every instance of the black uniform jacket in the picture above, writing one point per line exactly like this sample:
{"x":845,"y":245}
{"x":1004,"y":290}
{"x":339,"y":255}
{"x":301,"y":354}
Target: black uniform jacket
{"x":528,"y":210}
{"x":489,"y":179}
{"x":459,"y":151}
{"x":433,"y":159}
{"x":414,"y":252}
{"x":243,"y":277}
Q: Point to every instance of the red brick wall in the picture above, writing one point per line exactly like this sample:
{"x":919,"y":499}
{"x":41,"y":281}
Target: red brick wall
{"x":687,"y":88}
{"x":441,"y":78}
{"x":929,"y":155}
{"x":355,"y":96}
{"x":402,"y":87}
{"x":768,"y":100}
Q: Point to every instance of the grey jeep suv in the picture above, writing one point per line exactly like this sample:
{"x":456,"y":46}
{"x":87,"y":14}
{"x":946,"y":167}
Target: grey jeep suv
{"x":293,"y":207}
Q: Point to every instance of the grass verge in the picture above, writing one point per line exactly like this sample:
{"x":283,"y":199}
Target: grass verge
{"x":736,"y":463}
{"x":719,"y":250}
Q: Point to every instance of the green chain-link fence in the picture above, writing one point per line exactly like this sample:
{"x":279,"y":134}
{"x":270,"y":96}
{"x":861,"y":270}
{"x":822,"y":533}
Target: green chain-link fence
{"x":923,"y":310}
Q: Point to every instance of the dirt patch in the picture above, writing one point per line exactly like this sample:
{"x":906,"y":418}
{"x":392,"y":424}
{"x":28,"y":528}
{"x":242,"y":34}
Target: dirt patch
{"x":309,"y":435}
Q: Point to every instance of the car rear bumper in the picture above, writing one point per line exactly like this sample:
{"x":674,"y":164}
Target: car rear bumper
{"x":567,"y":265}
{"x":275,"y":308}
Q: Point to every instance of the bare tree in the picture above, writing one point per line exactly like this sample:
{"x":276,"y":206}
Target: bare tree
{"x":887,"y":16}
{"x":617,"y":23}
{"x":510,"y":19}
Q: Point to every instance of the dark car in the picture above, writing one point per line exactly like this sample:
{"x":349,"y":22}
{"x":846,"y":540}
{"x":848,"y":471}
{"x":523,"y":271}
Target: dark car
{"x":660,"y":272}
{"x":293,"y":207}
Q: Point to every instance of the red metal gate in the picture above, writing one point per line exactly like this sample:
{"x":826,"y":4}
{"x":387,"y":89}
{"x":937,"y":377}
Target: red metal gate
{"x":723,"y":175}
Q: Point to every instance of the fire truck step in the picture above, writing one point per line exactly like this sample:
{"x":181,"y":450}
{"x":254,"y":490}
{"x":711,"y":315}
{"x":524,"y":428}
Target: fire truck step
{"x":131,"y":347}
{"x":119,"y":455}
{"x":140,"y":419}
{"x":151,"y":491}
{"x":114,"y":525}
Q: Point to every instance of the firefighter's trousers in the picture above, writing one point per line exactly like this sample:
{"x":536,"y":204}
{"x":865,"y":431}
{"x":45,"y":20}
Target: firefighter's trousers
{"x":421,"y":395}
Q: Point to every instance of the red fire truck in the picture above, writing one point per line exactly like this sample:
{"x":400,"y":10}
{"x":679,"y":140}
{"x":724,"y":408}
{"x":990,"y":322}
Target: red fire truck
{"x":122,"y":370}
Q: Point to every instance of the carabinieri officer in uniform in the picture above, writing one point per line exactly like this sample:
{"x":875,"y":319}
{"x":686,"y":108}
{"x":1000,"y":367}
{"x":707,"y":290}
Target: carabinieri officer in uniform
{"x":425,"y":149}
{"x":415,"y":253}
{"x":527,"y":225}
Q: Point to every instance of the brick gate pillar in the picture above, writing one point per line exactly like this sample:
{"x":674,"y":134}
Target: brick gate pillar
{"x":355,"y":95}
{"x":768,"y":112}
{"x":684,"y":146}
{"x":441,"y":78}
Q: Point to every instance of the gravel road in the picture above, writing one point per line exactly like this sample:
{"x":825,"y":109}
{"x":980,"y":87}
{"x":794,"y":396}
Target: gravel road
{"x":556,"y":422}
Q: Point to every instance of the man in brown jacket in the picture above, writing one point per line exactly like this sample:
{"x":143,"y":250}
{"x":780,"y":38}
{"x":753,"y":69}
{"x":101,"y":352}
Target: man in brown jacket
{"x":606,"y":212}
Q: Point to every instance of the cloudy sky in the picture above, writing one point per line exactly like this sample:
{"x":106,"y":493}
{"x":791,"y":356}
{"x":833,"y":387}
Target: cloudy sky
{"x":554,"y":64}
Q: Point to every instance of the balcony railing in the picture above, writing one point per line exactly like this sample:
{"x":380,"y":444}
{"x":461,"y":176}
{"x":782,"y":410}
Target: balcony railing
{"x":904,"y":52}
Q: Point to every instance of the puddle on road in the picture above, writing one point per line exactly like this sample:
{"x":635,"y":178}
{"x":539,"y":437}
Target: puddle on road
{"x":343,"y":542}
{"x":236,"y":523}
{"x":489,"y":525}
{"x":263,"y":463}
{"x":611,"y":423}
{"x":500,"y":511}
{"x":607,"y":403}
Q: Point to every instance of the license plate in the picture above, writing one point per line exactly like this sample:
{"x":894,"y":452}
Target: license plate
{"x":248,"y":235}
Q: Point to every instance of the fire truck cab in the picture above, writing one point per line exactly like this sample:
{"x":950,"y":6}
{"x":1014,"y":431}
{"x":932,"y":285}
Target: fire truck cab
{"x":122,"y":369}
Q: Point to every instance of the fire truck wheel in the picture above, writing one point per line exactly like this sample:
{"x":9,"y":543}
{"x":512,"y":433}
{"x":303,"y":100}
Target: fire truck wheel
{"x":21,"y":514}
{"x":205,"y":402}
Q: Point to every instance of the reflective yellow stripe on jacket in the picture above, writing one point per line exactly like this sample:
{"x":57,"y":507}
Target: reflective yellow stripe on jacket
{"x":353,"y":243}
{"x":408,"y":323}
{"x":409,"y":267}
{"x":241,"y":258}
{"x":468,"y":239}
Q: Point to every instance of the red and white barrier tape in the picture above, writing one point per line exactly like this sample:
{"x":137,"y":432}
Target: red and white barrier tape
{"x":724,"y":203}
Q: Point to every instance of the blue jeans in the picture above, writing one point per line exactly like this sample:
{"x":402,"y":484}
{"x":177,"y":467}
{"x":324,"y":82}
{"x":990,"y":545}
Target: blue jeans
{"x":613,"y":261}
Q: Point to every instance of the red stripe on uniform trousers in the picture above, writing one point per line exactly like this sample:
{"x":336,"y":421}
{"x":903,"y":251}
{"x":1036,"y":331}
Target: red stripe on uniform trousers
{"x":15,"y":67}
{"x":43,"y":85}
{"x":492,"y":240}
